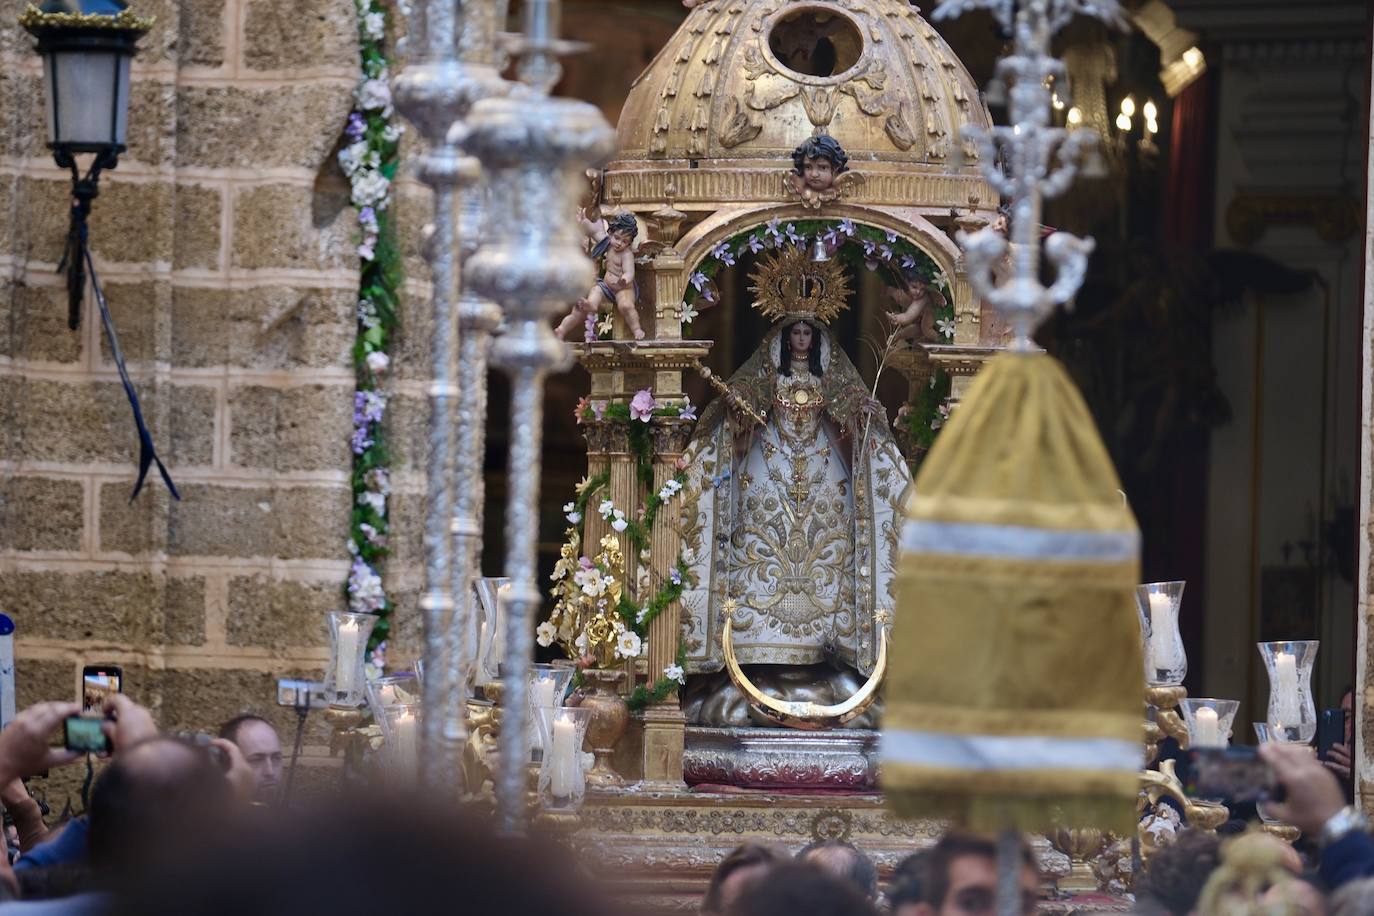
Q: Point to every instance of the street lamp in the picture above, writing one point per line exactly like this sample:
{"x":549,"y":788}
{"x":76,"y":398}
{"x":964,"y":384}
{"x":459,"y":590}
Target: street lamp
{"x":86,"y":46}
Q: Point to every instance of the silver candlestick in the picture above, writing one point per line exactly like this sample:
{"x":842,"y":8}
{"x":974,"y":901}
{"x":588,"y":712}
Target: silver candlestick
{"x":435,"y":92}
{"x":1028,"y":161}
{"x":534,"y":149}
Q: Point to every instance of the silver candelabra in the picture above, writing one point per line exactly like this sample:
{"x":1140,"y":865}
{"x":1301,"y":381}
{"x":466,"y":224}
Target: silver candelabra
{"x":1028,"y":161}
{"x":534,"y":149}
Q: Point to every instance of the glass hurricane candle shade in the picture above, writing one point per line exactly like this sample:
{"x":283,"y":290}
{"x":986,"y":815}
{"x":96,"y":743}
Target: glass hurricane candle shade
{"x":345,"y":683}
{"x":1265,"y":734}
{"x":563,"y":770}
{"x":403,"y":687}
{"x":1158,"y":604}
{"x":402,"y":747}
{"x":548,"y":686}
{"x":1209,"y":721}
{"x":1292,"y":714}
{"x":491,"y":628}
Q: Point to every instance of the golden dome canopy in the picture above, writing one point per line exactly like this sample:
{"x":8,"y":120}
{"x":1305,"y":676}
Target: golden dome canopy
{"x":743,"y":82}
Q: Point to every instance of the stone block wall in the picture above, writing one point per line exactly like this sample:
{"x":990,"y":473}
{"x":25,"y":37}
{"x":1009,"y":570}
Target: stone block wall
{"x":225,"y":242}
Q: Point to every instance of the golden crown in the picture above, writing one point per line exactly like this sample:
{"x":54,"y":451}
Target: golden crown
{"x":789,"y":285}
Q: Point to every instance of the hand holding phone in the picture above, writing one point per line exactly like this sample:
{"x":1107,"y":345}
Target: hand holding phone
{"x":24,"y":747}
{"x":1314,"y":795}
{"x":98,"y":684}
{"x":1232,"y":774}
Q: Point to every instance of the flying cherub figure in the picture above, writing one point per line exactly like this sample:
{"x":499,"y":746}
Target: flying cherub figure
{"x":820,"y":171}
{"x":613,"y":240}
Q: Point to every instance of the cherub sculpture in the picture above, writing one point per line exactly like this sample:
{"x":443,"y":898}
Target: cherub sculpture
{"x":614,"y":240}
{"x":820,"y":172}
{"x":918,"y":301}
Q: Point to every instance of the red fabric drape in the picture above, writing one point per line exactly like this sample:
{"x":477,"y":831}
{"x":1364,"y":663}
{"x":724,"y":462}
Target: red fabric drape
{"x":1188,"y":208}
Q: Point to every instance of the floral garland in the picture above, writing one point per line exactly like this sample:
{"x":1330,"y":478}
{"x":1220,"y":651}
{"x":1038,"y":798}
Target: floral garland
{"x":587,"y":590}
{"x":855,"y":244}
{"x":369,"y":159}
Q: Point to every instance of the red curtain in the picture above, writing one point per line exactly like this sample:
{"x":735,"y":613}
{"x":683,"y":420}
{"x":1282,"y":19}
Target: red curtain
{"x":1188,"y":207}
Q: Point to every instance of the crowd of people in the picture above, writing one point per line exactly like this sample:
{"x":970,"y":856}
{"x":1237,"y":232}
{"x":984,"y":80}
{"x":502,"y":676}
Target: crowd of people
{"x":191,"y":824}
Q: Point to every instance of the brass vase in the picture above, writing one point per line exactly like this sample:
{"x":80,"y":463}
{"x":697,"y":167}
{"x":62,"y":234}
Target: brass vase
{"x":609,"y":721}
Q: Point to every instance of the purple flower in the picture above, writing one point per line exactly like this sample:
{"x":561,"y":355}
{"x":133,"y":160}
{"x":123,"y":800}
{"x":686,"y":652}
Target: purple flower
{"x":675,"y":576}
{"x":356,"y":126}
{"x":698,"y":280}
{"x":908,"y":262}
{"x":846,"y":227}
{"x":367,"y":216}
{"x":598,"y":409}
{"x":891,"y":237}
{"x":772,"y":237}
{"x":688,"y":410}
{"x":755,"y":244}
{"x":589,"y":328}
{"x":792,"y":235}
{"x":885,"y":252}
{"x":642,"y":406}
{"x":361,"y":442}
{"x":368,"y":407}
{"x":723,"y":254}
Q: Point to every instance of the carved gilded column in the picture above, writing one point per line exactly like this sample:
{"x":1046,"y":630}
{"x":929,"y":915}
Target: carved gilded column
{"x":598,"y":436}
{"x":623,"y":489}
{"x":664,"y":724}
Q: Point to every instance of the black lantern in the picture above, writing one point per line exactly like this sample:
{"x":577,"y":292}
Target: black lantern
{"x":87,"y":47}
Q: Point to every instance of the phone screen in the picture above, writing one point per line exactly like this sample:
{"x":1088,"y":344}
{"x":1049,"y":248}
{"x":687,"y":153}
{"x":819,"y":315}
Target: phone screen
{"x":83,"y":734}
{"x":99,"y":683}
{"x":1233,"y":774}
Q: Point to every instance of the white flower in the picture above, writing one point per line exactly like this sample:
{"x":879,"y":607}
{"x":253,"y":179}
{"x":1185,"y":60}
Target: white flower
{"x":628,"y":645}
{"x":688,"y":313}
{"x":392,"y":132}
{"x":639,"y":618}
{"x":354,"y":157}
{"x":375,"y":501}
{"x":373,"y":26}
{"x":352,"y":547}
{"x":606,"y":508}
{"x":581,"y":645}
{"x":371,"y":189}
{"x":377,"y":361}
{"x":573,"y":516}
{"x":945,"y":327}
{"x":670,"y":489}
{"x":675,"y":673}
{"x":545,"y":633}
{"x":618,"y":521}
{"x":374,"y":95}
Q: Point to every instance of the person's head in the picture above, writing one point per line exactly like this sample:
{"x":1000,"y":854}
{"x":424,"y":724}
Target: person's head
{"x":157,"y":785}
{"x":621,"y":230}
{"x":844,"y":861}
{"x":1298,"y":897}
{"x":961,"y":878}
{"x":904,"y":894}
{"x":1355,"y":898}
{"x":818,"y":161}
{"x":261,"y":748}
{"x":792,"y":888}
{"x":439,"y":860}
{"x":800,"y":340}
{"x":741,"y":866}
{"x":1175,"y":875}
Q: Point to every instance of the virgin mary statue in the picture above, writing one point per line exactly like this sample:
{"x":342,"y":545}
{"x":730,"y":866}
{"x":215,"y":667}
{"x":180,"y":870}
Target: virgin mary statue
{"x":791,"y":513}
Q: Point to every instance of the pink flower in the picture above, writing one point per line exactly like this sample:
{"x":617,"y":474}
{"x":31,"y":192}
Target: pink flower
{"x":580,"y":409}
{"x":642,"y":407}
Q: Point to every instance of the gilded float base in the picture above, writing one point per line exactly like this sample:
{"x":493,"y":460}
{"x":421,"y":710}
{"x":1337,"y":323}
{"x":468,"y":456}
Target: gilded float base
{"x":655,"y":851}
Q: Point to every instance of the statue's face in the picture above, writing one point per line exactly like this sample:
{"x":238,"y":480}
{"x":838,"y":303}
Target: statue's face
{"x":818,"y":173}
{"x":620,"y":240}
{"x":800,"y":339}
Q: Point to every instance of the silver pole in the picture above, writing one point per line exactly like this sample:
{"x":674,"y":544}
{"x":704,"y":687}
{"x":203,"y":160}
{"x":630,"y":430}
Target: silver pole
{"x":422,"y":95}
{"x":534,"y":149}
{"x":1009,"y":867}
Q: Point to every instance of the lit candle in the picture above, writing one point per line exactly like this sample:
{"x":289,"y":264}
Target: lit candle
{"x":1206,"y":728}
{"x":1285,"y":713}
{"x":541,"y":697}
{"x":1166,"y":654}
{"x":404,"y":746}
{"x":564,"y":774}
{"x":348,"y":660}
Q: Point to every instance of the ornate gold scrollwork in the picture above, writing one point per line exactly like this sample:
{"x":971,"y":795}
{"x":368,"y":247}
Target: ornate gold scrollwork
{"x":808,"y":716}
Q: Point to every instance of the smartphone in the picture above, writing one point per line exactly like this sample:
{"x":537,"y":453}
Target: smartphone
{"x":99,"y":683}
{"x":1232,"y":774}
{"x":84,"y":734}
{"x":1330,"y":730}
